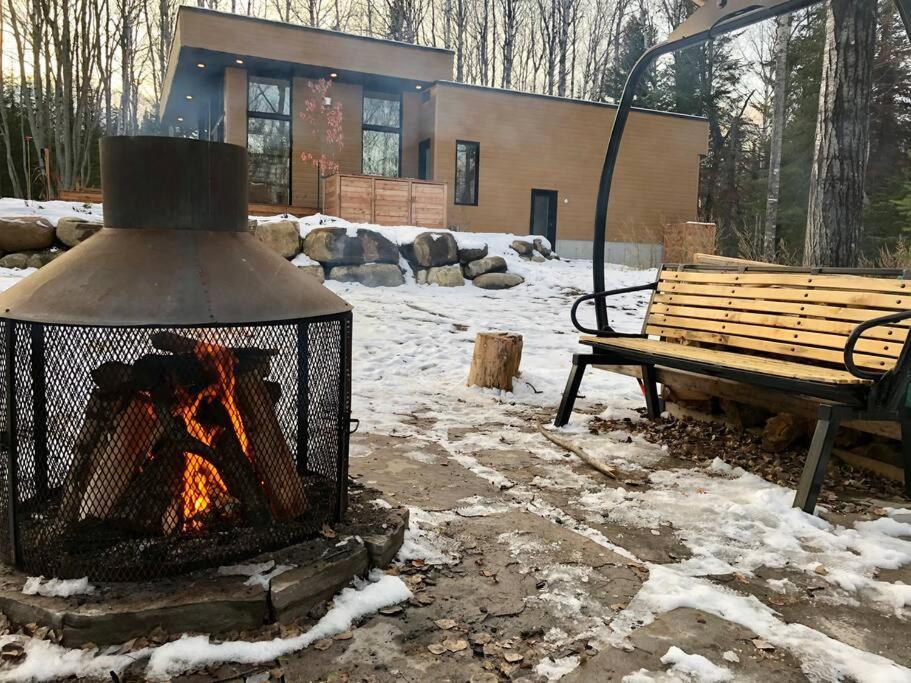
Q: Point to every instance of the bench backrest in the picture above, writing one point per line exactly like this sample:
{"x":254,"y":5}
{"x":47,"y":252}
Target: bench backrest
{"x":784,"y":314}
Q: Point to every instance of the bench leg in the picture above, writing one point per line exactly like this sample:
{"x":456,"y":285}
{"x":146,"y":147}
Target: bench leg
{"x":570,"y":392}
{"x":814,"y":470}
{"x":906,"y":449}
{"x":650,"y":385}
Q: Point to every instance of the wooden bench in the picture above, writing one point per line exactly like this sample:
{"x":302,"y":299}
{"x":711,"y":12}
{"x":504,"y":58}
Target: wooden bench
{"x":838,"y":337}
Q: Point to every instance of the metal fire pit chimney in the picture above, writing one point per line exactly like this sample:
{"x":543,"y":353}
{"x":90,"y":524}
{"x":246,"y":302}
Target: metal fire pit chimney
{"x":177,"y":395}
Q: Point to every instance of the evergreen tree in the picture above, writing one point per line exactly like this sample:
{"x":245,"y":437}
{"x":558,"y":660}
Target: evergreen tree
{"x":639,"y":34}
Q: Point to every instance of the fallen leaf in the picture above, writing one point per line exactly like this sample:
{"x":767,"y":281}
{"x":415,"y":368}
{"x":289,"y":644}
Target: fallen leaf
{"x":418,"y":563}
{"x":414,"y":579}
{"x":763,"y":645}
{"x":730,"y":656}
{"x":425,"y":599}
{"x":455,"y":644}
{"x":327,"y":531}
{"x":488,"y":573}
{"x":389,"y":611}
{"x":12,"y":652}
{"x":480,"y":638}
{"x":492,"y":649}
{"x":741,"y":578}
{"x":781,"y":600}
{"x":445,"y":624}
{"x":821,"y":570}
{"x":513,"y":657}
{"x":344,"y":635}
{"x":508,"y":669}
{"x":617,"y":606}
{"x":436,"y":648}
{"x":324,"y":644}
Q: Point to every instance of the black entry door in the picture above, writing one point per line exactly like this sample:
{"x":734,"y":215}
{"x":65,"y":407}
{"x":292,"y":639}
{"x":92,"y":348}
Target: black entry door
{"x":544,"y":215}
{"x":424,"y":159}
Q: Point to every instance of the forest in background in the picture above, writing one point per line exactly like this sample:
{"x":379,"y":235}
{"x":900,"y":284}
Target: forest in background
{"x":74,"y":70}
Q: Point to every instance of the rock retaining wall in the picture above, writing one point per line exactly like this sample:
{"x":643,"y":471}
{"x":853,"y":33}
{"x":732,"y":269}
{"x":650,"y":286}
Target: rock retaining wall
{"x":335,"y":253}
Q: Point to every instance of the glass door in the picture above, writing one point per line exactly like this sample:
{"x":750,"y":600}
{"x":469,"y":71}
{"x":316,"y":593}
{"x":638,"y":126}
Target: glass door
{"x":544,"y":215}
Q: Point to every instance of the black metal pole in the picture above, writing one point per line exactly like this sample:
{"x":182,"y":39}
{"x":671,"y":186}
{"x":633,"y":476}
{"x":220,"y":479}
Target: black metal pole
{"x":344,"y":414}
{"x":39,"y":408}
{"x":709,"y":21}
{"x":12,"y":462}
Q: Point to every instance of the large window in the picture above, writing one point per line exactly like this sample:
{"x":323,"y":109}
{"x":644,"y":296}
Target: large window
{"x":382,"y":135}
{"x":269,"y":139}
{"x":466,"y":172}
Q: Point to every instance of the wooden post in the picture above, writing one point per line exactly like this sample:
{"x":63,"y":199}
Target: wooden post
{"x":496,"y":360}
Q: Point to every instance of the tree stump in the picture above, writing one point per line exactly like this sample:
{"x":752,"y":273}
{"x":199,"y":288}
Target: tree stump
{"x":496,"y":360}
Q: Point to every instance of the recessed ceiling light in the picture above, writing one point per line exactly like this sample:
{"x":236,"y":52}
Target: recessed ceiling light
{"x":239,"y":61}
{"x":189,"y":97}
{"x":333,"y":75}
{"x":180,"y":119}
{"x":418,"y":86}
{"x":201,"y":65}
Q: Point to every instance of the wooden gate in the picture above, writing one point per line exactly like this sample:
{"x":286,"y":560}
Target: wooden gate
{"x":385,"y":201}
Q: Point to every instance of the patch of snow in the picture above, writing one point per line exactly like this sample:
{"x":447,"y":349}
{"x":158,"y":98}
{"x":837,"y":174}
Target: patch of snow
{"x":696,"y":667}
{"x":422,"y":543}
{"x":353,"y":603}
{"x":478,"y":506}
{"x":45,"y":661}
{"x":381,"y":504}
{"x":258,"y":574}
{"x":303,"y":260}
{"x":555,"y":669}
{"x":57,"y":588}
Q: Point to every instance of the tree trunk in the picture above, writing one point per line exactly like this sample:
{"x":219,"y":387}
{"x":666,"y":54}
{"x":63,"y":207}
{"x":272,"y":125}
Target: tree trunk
{"x":779,"y":102}
{"x":496,"y":360}
{"x":835,"y":209}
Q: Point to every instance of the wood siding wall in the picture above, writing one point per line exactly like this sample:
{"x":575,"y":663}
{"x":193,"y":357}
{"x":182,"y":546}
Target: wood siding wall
{"x":304,"y":176}
{"x":236,"y":106}
{"x":531,"y":142}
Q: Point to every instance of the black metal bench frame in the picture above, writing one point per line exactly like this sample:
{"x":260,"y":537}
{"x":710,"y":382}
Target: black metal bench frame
{"x":883,"y":399}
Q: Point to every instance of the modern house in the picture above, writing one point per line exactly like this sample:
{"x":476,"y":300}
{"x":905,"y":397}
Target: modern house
{"x":310,"y":102}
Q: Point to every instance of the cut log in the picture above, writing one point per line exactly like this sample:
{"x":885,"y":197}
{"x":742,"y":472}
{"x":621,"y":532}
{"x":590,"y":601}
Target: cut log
{"x":117,"y":457}
{"x":271,"y":456}
{"x":248,"y":359}
{"x":496,"y":360}
{"x":145,"y":502}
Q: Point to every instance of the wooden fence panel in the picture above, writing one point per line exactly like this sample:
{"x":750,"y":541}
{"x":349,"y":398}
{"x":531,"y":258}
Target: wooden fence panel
{"x":385,"y":201}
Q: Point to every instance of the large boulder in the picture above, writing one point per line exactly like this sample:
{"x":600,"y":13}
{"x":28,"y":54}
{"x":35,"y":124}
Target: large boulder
{"x":445,"y":276}
{"x":498,"y":280}
{"x":17,"y":260}
{"x":336,"y":247}
{"x":282,"y":237}
{"x":542,"y":246}
{"x":25,"y":233}
{"x":523,"y":248}
{"x":42,"y":258}
{"x":369,"y":274}
{"x":432,"y":249}
{"x":469,"y":254}
{"x":490,"y":264}
{"x":314,"y":270}
{"x":74,"y":230}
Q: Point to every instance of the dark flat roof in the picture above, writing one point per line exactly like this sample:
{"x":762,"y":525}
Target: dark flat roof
{"x":572,"y":100}
{"x":310,"y":29}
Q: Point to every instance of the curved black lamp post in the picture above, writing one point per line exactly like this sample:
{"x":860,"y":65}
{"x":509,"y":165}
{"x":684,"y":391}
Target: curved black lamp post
{"x":714,"y":18}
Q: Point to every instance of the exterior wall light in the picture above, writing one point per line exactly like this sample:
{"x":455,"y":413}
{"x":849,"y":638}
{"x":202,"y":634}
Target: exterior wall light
{"x":189,"y":97}
{"x":201,"y":65}
{"x":418,"y":86}
{"x":333,"y":75}
{"x":238,"y":61}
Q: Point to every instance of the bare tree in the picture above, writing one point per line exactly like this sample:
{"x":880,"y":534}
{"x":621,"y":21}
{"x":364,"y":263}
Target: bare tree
{"x":779,"y":104}
{"x":842,"y":136}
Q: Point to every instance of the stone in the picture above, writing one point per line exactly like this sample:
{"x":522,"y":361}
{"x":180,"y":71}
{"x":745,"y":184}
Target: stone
{"x":542,"y":247}
{"x":282,"y":237}
{"x":335,"y":247}
{"x":445,"y":276}
{"x":294,"y":593}
{"x":431,"y":249}
{"x":781,"y":431}
{"x":74,"y":230}
{"x":369,"y":274}
{"x":315,"y":270}
{"x":420,"y":276}
{"x":498,"y":280}
{"x":42,"y":258}
{"x":490,"y":264}
{"x":15,"y":261}
{"x":382,"y":548}
{"x":469,"y":254}
{"x":251,"y":224}
{"x":523,"y":248}
{"x":26,"y":233}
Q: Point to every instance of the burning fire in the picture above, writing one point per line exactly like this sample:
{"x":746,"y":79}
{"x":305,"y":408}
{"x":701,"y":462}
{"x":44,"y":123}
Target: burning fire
{"x":202,"y":484}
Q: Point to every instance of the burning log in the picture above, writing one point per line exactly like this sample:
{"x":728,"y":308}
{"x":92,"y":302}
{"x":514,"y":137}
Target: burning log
{"x":271,"y":456}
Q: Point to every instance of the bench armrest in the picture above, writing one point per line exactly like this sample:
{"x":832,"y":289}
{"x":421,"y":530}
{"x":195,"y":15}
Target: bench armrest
{"x":608,"y":332}
{"x":855,"y":337}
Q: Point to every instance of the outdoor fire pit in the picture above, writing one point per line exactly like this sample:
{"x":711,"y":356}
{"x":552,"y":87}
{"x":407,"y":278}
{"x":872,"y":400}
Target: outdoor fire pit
{"x":176,"y":393}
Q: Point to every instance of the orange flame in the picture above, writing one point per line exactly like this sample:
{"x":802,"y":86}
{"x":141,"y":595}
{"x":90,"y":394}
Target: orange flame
{"x":202,"y":484}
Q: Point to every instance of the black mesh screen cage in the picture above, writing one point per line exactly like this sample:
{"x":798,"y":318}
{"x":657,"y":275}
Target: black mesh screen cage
{"x":136,"y":452}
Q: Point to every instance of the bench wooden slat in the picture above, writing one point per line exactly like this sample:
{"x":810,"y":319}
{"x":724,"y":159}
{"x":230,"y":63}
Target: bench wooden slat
{"x":740,"y":361}
{"x":808,"y":353}
{"x":855,"y":315}
{"x":789,"y":322}
{"x":790,"y":337}
{"x":792,"y":280}
{"x":888,"y":302}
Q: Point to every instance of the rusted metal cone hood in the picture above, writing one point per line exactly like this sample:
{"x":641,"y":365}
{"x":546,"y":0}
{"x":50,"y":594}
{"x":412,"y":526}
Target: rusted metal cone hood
{"x":174,"y":250}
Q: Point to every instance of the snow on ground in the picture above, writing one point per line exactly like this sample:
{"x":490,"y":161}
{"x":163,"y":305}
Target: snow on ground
{"x":57,"y":588}
{"x":412,"y":350}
